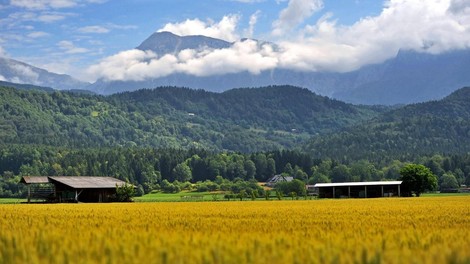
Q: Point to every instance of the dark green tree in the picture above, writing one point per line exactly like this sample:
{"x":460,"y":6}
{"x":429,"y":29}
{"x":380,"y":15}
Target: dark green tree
{"x":182,"y":172}
{"x":125,"y":192}
{"x":417,"y":179}
{"x":448,"y":182}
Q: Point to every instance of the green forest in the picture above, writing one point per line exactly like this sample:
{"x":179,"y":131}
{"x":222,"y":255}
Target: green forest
{"x":170,"y":139}
{"x":246,"y":120}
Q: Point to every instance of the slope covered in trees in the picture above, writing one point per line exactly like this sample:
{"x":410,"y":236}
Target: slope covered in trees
{"x":238,"y":120}
{"x":419,"y":129}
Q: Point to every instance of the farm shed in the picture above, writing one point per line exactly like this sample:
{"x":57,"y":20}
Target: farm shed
{"x":278,"y":178}
{"x":370,"y":189}
{"x":71,"y":188}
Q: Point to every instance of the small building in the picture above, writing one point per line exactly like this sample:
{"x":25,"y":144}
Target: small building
{"x":278,"y":178}
{"x":71,"y":188}
{"x":370,"y":189}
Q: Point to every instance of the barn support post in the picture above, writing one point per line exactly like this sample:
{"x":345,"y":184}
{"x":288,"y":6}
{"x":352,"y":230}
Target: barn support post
{"x":399,"y":191}
{"x":365,"y":191}
{"x":334,"y":195}
{"x":382,"y":187}
{"x":349,"y":191}
{"x":77,"y":194}
{"x":29,"y":193}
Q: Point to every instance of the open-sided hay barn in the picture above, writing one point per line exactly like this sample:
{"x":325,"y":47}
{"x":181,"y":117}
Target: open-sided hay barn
{"x":71,"y":188}
{"x":358,"y":189}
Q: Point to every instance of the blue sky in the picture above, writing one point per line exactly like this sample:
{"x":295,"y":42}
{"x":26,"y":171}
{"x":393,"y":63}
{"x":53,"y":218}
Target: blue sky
{"x":82,"y":37}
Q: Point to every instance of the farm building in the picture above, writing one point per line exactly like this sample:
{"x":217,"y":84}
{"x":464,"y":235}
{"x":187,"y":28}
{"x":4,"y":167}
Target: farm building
{"x":71,"y":188}
{"x":278,"y":178}
{"x":358,"y":189}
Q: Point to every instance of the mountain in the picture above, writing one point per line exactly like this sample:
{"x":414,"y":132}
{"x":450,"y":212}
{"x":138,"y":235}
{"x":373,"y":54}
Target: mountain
{"x":246,"y":120}
{"x":410,"y":77}
{"x":169,"y":43}
{"x":419,"y":129}
{"x":18,"y":72}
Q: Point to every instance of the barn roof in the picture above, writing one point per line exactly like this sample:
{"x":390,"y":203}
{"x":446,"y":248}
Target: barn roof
{"x":88,"y":182}
{"x":370,"y":183}
{"x":34,"y":179}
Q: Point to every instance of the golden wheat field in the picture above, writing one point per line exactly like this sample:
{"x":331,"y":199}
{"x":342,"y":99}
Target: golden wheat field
{"x":393,"y":230}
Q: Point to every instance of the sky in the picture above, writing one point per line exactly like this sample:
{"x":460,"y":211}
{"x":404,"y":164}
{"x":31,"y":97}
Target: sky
{"x":95,"y":39}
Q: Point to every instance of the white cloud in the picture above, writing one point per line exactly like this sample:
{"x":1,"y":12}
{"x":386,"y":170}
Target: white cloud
{"x":3,"y":53}
{"x":403,"y":24}
{"x":94,"y":29}
{"x":248,"y":1}
{"x":38,"y":34}
{"x":433,"y":26}
{"x":28,"y":75}
{"x":137,"y":65}
{"x":16,"y":19}
{"x":51,"y":4}
{"x":242,"y":56}
{"x":294,"y":14}
{"x":43,"y":4}
{"x":70,"y":48}
{"x":51,"y":17}
{"x":224,"y":29}
{"x":252,"y":23}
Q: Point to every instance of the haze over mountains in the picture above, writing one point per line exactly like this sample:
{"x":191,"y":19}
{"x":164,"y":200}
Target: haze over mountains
{"x":410,"y":77}
{"x":19,"y":72}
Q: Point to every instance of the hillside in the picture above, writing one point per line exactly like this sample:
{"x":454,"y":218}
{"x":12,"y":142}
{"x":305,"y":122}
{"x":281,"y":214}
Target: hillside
{"x":419,"y":129}
{"x":244,"y":120}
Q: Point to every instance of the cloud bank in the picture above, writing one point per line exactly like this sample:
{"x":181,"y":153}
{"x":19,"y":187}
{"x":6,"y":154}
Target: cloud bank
{"x":432,"y":26}
{"x":224,"y":29}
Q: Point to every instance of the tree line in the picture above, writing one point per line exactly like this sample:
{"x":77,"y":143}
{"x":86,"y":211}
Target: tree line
{"x":173,"y":169}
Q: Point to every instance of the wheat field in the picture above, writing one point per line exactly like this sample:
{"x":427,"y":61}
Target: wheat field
{"x":389,"y":230}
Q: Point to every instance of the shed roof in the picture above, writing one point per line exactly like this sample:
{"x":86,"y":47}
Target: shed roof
{"x":279,"y":178}
{"x":370,"y":183}
{"x":88,"y":182}
{"x":34,"y":179}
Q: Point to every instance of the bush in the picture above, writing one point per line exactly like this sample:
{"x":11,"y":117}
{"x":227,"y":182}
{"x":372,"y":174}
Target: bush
{"x":125,"y":192}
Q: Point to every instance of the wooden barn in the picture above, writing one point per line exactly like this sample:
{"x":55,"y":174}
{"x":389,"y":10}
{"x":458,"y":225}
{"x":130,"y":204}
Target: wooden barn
{"x":370,"y":189}
{"x":71,"y":188}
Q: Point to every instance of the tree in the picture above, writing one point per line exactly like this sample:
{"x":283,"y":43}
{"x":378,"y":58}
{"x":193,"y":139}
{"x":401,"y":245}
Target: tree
{"x":270,"y":167}
{"x":417,"y":179}
{"x":448,"y":182}
{"x":250,"y":169}
{"x":182,"y":172}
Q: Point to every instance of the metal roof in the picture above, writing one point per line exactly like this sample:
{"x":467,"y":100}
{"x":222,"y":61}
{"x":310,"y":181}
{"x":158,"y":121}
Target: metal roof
{"x":88,"y":182}
{"x":371,"y":183}
{"x":34,"y":179}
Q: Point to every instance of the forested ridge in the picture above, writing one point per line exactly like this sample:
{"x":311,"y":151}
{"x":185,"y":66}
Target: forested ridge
{"x":405,"y":133}
{"x":244,"y":120}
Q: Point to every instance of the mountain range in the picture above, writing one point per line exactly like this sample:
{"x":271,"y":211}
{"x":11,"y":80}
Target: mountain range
{"x":14,"y":71}
{"x":410,"y":77}
{"x":245,"y":120}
